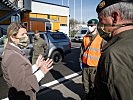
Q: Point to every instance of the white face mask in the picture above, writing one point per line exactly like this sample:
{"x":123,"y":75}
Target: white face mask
{"x":91,"y":28}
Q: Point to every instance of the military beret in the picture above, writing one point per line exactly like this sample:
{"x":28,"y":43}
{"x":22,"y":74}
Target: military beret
{"x":105,"y":3}
{"x":92,"y":22}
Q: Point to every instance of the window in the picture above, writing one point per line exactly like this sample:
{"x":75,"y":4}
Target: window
{"x":58,"y":36}
{"x":42,"y":36}
{"x":48,"y":26}
{"x":63,"y":19}
{"x":31,"y":37}
{"x":3,"y":39}
{"x":63,"y":24}
{"x":83,"y":31}
{"x":15,"y":19}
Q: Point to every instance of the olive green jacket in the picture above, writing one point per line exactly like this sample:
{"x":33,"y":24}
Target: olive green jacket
{"x":114,"y":77}
{"x":39,"y":47}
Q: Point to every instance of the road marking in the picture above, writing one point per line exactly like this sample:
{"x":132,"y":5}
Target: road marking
{"x":75,"y":47}
{"x":59,"y":80}
{"x":5,"y":99}
{"x":56,"y":81}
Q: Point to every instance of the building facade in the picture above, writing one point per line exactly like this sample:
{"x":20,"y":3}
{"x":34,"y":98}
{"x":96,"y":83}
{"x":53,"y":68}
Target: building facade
{"x":38,"y":15}
{"x":57,"y":15}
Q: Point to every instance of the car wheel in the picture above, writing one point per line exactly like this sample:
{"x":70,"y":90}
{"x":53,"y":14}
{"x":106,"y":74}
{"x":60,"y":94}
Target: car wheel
{"x":57,"y":57}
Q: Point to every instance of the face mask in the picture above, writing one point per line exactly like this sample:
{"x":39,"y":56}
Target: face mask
{"x":108,"y":35}
{"x":104,"y":34}
{"x":23,"y":42}
{"x":91,"y":28}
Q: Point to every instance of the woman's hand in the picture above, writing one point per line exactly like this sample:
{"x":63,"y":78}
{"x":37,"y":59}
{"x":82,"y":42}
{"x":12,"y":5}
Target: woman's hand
{"x":39,"y":61}
{"x":46,"y":65}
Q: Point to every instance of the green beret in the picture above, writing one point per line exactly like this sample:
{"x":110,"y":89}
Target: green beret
{"x":92,"y":22}
{"x":105,"y":3}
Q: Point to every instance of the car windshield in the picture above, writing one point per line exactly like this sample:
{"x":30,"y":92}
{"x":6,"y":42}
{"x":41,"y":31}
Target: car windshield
{"x":2,"y":39}
{"x":32,"y":35}
{"x":83,"y":31}
{"x":58,"y":36}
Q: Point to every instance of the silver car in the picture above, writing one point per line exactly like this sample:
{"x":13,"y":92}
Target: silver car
{"x":80,"y":34}
{"x":58,"y":45}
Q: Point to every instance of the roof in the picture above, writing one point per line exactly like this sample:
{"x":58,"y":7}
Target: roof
{"x":50,"y":3}
{"x":40,"y":19}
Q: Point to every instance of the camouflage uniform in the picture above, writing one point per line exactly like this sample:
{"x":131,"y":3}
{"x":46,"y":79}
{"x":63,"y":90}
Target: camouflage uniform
{"x":39,"y":47}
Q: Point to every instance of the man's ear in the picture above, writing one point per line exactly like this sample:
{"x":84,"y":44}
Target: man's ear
{"x":115,"y":17}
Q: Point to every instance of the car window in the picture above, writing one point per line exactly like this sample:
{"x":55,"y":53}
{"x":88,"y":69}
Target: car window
{"x":58,"y":36}
{"x":2,"y":39}
{"x":83,"y":31}
{"x":31,"y":37}
{"x":42,"y":36}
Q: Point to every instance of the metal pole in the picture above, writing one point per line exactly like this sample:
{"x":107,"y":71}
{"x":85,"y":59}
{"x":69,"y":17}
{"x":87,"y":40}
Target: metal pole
{"x":62,"y":2}
{"x":68,"y":3}
{"x":74,"y":10}
{"x":81,"y":12}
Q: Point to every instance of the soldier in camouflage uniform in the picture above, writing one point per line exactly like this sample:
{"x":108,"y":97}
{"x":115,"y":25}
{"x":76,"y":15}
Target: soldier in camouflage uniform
{"x":39,"y":46}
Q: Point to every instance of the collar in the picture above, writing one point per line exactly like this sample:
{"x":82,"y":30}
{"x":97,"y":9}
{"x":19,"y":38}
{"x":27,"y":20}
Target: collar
{"x":14,"y":45}
{"x":124,"y":34}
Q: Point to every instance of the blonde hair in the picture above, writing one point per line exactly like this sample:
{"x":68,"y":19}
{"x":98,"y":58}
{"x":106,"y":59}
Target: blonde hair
{"x":13,"y":28}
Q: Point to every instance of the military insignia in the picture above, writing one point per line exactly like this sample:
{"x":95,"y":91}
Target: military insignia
{"x":102,"y":4}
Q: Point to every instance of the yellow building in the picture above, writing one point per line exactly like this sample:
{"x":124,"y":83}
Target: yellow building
{"x":56,"y":17}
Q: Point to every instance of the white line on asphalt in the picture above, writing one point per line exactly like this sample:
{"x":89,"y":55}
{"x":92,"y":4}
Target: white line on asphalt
{"x":75,"y":47}
{"x":5,"y":99}
{"x":59,"y":80}
{"x":56,"y":81}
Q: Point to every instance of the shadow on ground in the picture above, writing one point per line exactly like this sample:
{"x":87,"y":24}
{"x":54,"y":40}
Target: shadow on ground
{"x":58,"y":94}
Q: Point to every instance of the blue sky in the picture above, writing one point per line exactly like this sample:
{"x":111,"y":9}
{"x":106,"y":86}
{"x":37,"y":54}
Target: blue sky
{"x":88,"y":11}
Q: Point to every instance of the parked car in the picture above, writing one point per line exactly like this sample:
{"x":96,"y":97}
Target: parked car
{"x":58,"y":45}
{"x":2,"y":39}
{"x":78,"y":37}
